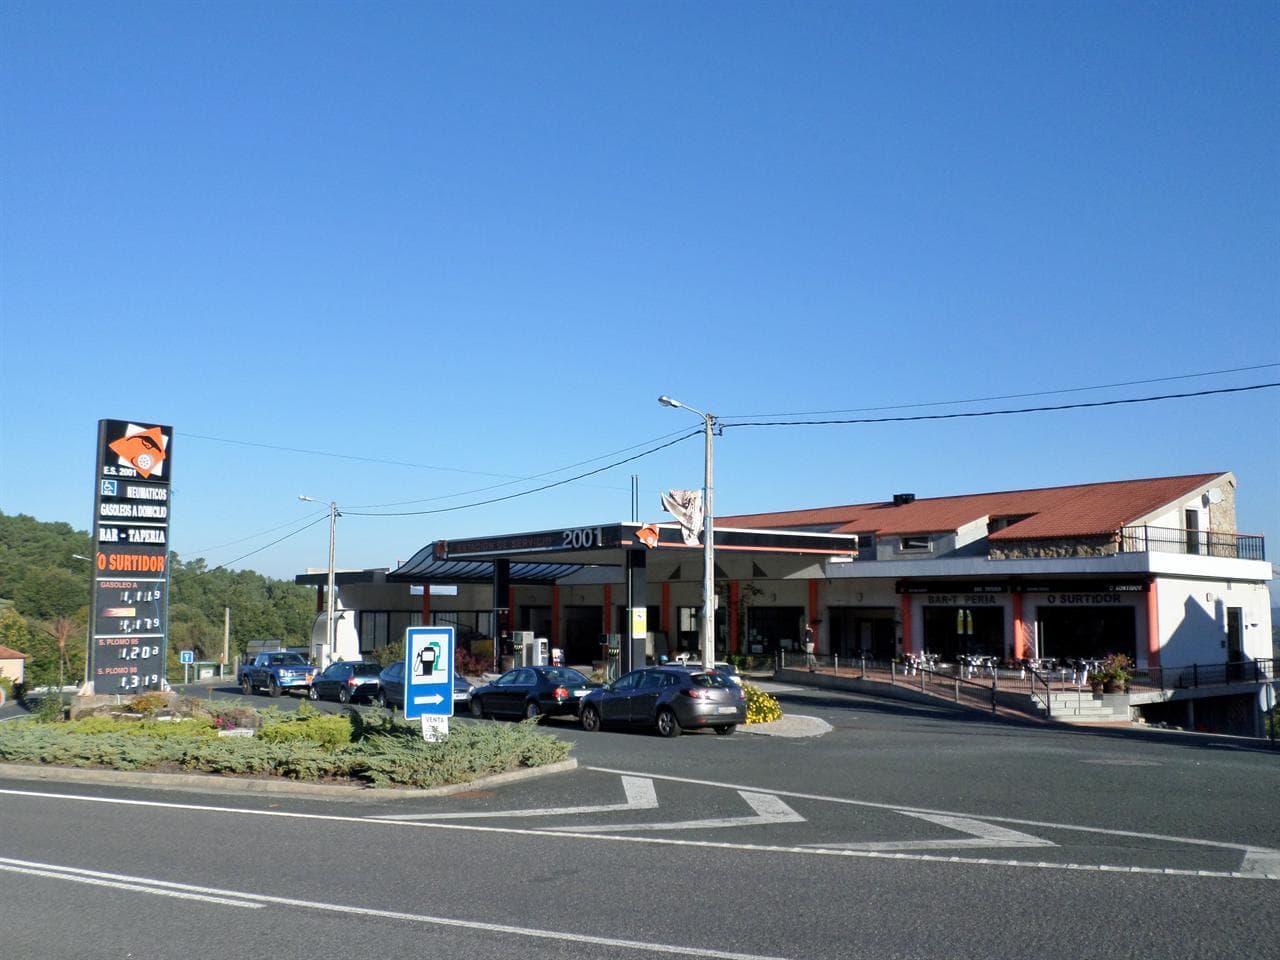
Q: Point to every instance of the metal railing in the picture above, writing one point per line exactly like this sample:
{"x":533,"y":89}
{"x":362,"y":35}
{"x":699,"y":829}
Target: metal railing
{"x":1147,"y":539}
{"x":985,"y":683}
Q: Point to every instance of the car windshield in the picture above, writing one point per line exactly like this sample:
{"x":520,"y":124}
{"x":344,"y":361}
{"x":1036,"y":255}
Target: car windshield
{"x":366,"y":669}
{"x":291,"y":659}
{"x":710,"y":680}
{"x":564,"y":675}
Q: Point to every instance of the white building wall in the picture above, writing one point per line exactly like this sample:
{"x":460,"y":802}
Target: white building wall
{"x":1193,"y":620}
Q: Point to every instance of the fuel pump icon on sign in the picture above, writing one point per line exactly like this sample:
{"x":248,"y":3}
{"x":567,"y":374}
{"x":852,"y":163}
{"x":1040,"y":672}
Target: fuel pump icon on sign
{"x":428,"y":654}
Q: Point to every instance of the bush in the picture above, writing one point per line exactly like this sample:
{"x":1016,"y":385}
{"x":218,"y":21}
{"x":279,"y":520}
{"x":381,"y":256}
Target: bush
{"x":761,"y":707}
{"x":329,"y":730}
{"x":378,"y":749}
{"x":6,"y":688}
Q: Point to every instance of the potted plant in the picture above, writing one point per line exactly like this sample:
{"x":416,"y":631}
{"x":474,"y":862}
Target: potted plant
{"x":1113,"y":674}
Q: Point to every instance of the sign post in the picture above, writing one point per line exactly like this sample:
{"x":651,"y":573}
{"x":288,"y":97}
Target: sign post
{"x":428,"y":679}
{"x":129,"y":614}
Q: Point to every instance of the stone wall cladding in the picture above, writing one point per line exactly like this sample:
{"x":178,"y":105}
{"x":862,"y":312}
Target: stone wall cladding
{"x":1222,"y":516}
{"x":1055,"y":548}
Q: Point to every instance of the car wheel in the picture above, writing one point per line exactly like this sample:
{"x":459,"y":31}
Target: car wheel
{"x":726,"y":728}
{"x":477,"y":708}
{"x":668,"y":725}
{"x":344,"y":694}
{"x":273,"y":687}
{"x":532,"y":711}
{"x":246,"y":687}
{"x":590,"y":719}
{"x":313,"y":693}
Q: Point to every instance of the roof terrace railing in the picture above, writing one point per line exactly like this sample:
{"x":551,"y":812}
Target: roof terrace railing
{"x":1147,"y":539}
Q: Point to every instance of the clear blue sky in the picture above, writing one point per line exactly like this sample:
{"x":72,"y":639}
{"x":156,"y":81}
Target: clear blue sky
{"x":389,"y":252}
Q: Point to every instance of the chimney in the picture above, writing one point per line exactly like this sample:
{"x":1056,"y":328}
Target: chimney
{"x":902,"y":499}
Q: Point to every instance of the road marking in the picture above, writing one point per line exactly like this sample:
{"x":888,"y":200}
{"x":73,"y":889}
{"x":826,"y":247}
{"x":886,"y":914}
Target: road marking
{"x":136,"y":884}
{"x":768,"y":808}
{"x":1260,"y":861}
{"x":216,"y":895}
{"x":980,"y":835}
{"x":706,"y":844}
{"x":639,"y":791}
{"x":899,"y":808}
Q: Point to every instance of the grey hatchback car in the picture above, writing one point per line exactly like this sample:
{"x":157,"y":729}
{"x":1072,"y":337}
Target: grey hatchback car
{"x":669,"y":699}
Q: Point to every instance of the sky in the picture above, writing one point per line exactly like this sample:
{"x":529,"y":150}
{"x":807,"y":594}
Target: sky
{"x":413,"y":257}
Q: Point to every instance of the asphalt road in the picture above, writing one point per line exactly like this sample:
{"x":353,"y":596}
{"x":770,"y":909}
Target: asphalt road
{"x":905,"y":831}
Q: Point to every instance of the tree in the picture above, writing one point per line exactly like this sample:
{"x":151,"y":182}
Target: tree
{"x":47,"y":592}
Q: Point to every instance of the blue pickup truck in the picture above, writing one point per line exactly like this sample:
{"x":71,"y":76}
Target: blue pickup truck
{"x":275,"y":671}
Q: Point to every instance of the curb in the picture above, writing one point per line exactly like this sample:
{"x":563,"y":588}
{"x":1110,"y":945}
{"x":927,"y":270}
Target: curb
{"x":205,"y":782}
{"x":791,"y":725}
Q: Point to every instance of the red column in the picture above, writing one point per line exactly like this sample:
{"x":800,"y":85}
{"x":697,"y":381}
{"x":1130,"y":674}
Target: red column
{"x":555,"y":616}
{"x":426,"y":604}
{"x":1153,"y":626}
{"x":735,"y":592}
{"x":665,"y":613}
{"x":813,"y":615}
{"x":1019,"y":629}
{"x":906,"y":625}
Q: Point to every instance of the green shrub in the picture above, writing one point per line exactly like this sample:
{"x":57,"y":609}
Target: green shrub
{"x":382,"y":751}
{"x":6,"y":687}
{"x":332,"y":730}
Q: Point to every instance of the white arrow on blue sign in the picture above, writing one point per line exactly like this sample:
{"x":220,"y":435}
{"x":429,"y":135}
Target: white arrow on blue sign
{"x":428,"y":672}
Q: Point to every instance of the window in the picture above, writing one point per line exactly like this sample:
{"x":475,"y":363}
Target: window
{"x":689,"y":619}
{"x":917,"y":542}
{"x":650,"y":680}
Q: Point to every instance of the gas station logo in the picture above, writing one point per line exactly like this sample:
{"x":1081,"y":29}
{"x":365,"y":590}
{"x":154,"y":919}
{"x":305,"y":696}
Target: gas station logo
{"x":143,"y":449}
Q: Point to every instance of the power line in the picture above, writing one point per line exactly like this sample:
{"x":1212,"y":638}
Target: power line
{"x":252,"y":536}
{"x":507,"y":483}
{"x":324,"y":516}
{"x":525,"y":493}
{"x":1016,"y":396}
{"x":997,"y":413}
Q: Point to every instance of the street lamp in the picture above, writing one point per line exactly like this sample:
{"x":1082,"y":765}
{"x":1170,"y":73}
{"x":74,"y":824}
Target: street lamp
{"x":330,"y":636}
{"x":708,"y":539}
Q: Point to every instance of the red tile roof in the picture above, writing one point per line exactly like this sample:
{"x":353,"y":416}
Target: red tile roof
{"x":1081,"y":510}
{"x":7,"y":653}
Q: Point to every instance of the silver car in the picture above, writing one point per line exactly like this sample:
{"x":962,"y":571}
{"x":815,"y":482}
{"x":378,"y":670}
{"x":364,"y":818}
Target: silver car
{"x":669,"y":699}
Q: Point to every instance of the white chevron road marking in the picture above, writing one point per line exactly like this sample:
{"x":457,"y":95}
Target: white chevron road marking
{"x":768,"y":808}
{"x":639,"y":791}
{"x":980,"y":834}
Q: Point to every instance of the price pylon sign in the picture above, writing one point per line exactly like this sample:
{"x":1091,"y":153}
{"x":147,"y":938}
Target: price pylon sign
{"x":129,"y":625}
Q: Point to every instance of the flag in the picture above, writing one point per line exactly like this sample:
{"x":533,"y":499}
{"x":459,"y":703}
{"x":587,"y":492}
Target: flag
{"x":648,"y":535}
{"x":685,"y":506}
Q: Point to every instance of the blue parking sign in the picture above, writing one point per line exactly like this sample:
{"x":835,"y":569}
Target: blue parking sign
{"x":428,"y":672}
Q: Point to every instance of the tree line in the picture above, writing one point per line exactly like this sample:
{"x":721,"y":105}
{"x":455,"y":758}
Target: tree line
{"x":45,"y":595}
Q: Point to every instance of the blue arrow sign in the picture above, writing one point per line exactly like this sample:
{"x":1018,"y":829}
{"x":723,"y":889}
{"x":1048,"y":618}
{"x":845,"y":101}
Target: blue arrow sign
{"x":428,"y":672}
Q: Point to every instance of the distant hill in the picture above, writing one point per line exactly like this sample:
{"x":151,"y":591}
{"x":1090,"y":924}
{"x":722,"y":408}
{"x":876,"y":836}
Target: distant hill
{"x":49,"y":592}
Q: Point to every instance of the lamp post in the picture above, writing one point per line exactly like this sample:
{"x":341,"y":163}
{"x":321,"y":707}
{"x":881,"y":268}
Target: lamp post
{"x":707,"y":631}
{"x":330,"y":637}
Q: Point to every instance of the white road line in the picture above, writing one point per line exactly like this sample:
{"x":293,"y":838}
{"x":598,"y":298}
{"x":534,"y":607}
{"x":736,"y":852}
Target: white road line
{"x":768,"y":808}
{"x":699,"y":844}
{"x":980,"y":835}
{"x":1260,"y":860}
{"x":65,"y":873}
{"x":900,"y":808}
{"x":639,"y":791}
{"x":189,"y":891}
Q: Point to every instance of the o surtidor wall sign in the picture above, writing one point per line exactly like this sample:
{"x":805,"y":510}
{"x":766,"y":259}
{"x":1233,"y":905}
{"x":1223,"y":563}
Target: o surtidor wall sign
{"x":130,"y":627}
